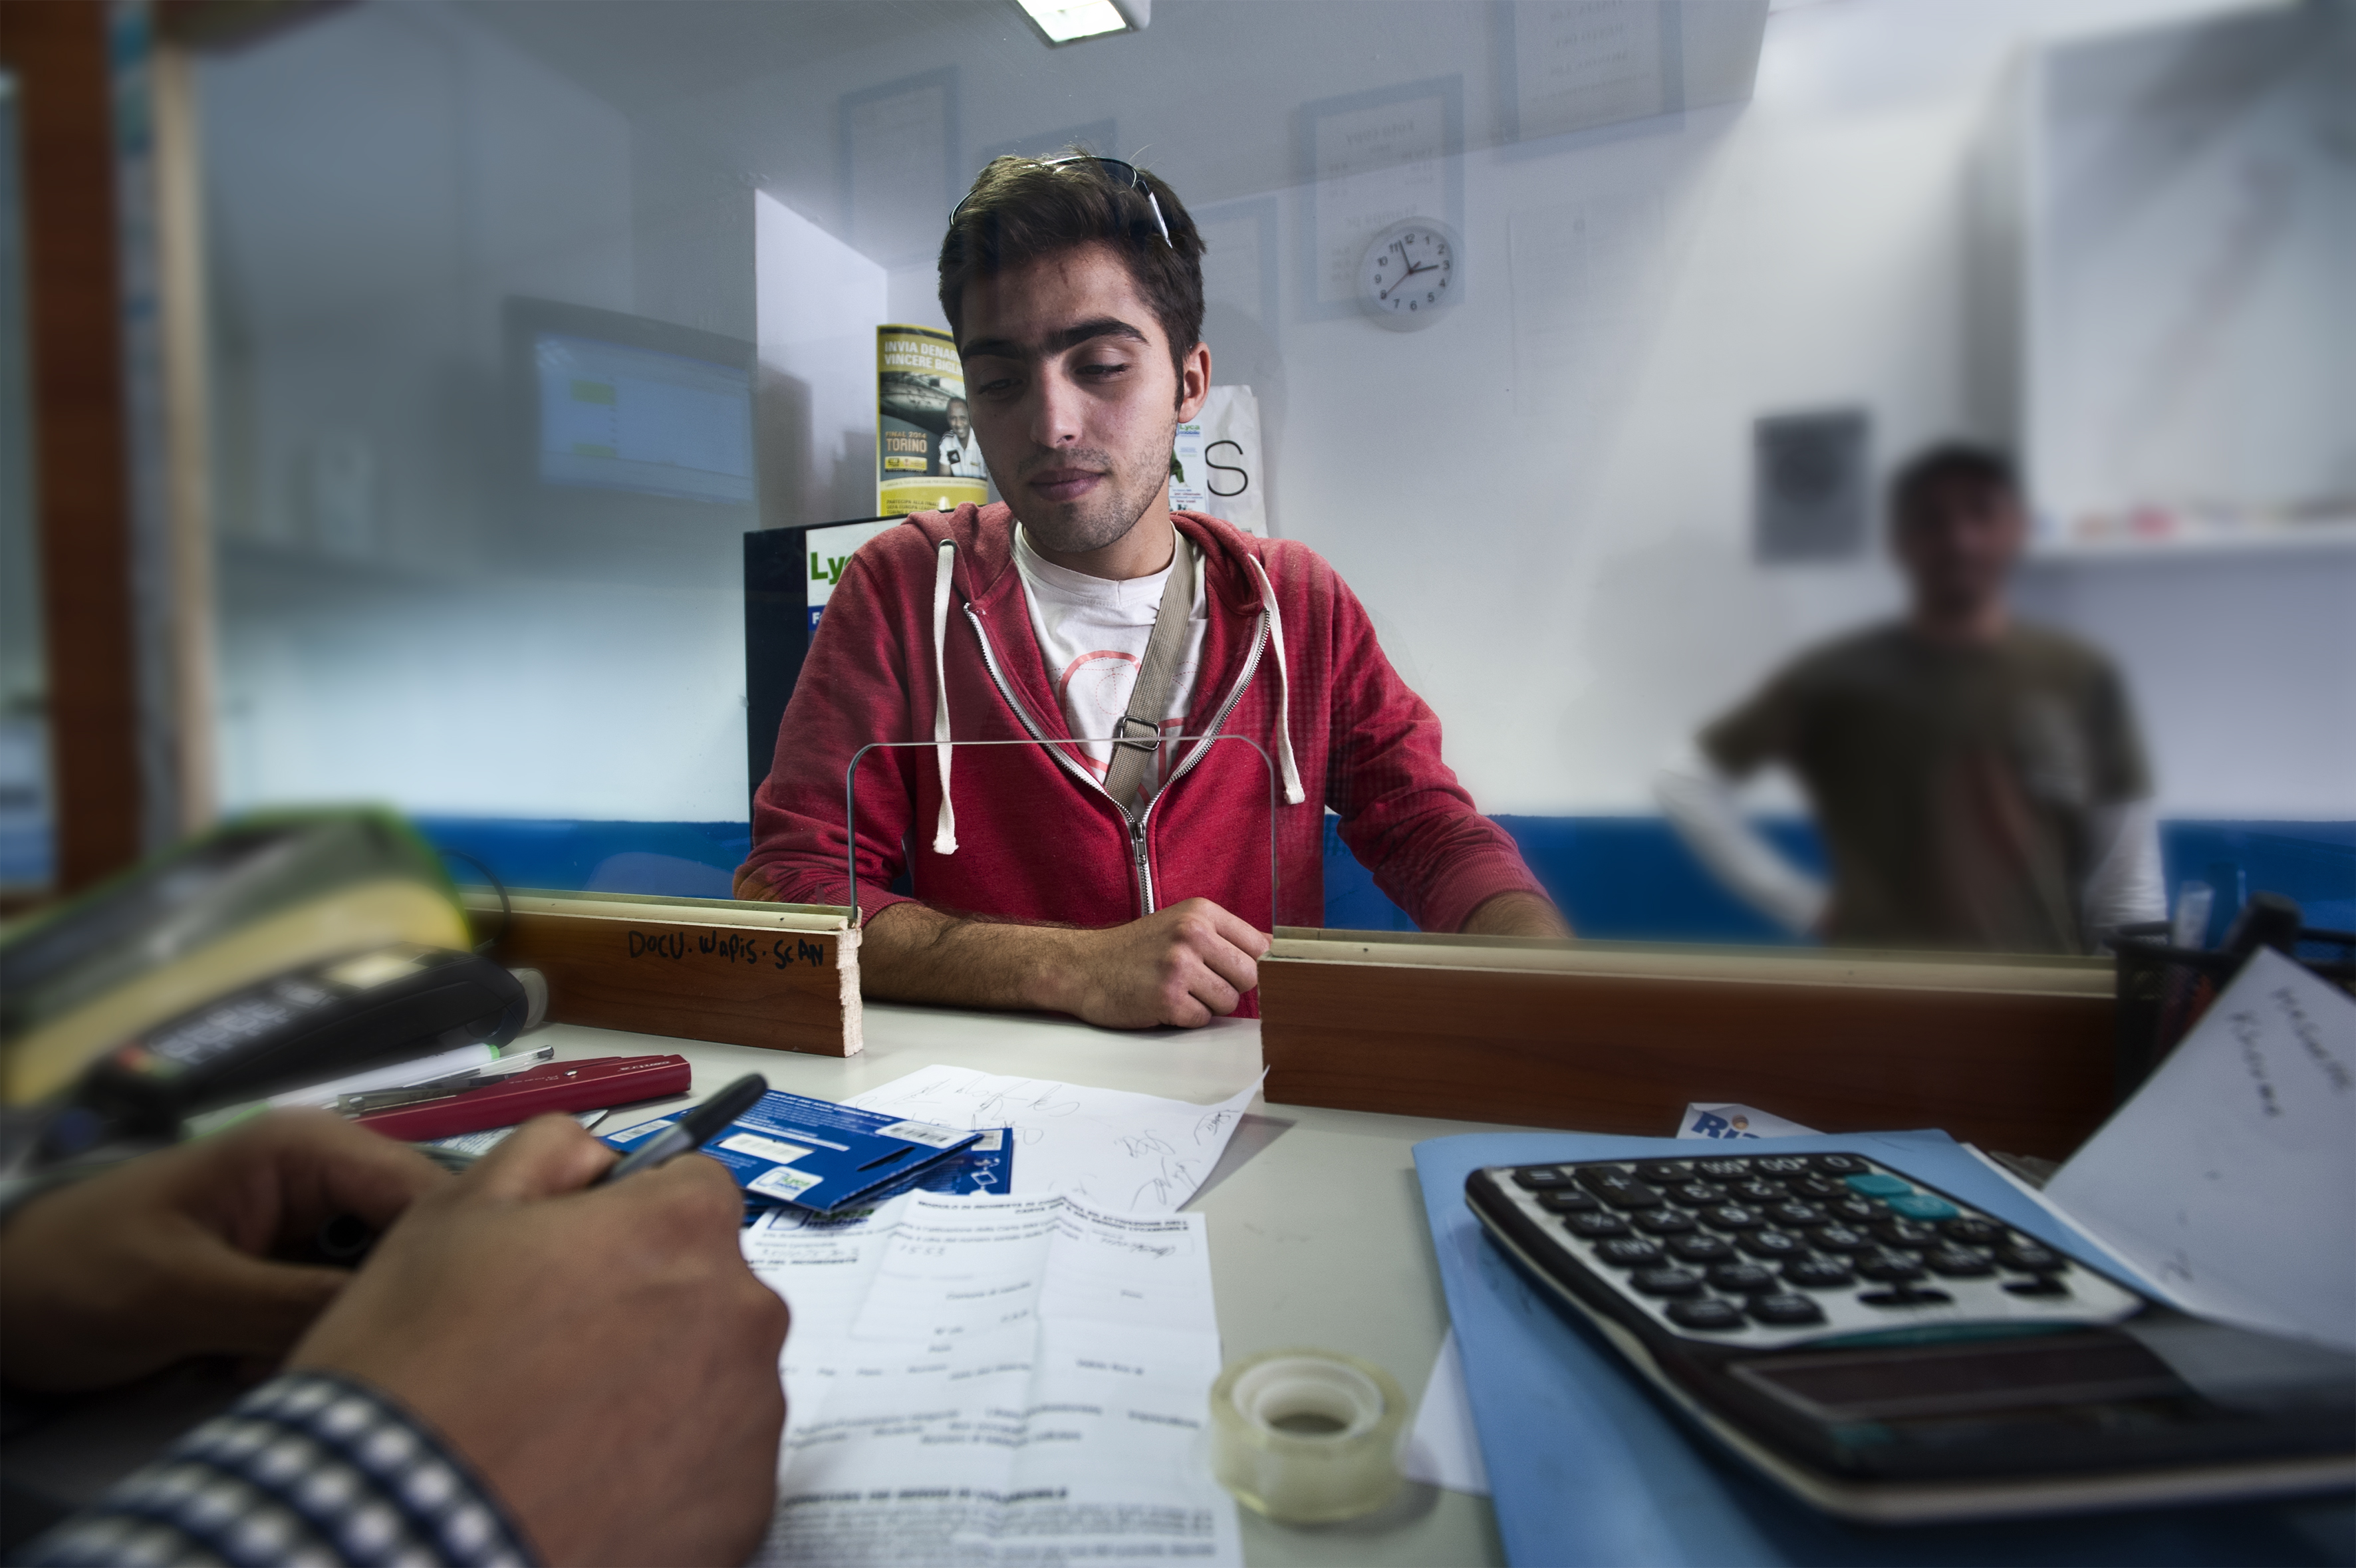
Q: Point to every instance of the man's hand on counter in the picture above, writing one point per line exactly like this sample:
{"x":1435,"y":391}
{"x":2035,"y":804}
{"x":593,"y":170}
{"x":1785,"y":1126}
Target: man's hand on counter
{"x":1184,"y":964}
{"x":1181,"y":965}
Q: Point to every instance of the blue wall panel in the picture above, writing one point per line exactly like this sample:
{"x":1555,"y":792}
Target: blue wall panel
{"x":2314,"y":863}
{"x":1626,"y":878}
{"x":685,"y":860}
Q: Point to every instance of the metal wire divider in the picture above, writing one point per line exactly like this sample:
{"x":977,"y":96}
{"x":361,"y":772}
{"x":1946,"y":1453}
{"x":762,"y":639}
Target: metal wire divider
{"x":851,"y":801}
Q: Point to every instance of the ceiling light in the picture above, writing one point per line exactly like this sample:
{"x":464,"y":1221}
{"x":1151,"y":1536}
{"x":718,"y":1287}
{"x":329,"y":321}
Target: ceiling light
{"x":1067,"y":21}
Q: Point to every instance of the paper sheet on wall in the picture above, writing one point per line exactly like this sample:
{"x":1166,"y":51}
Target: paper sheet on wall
{"x":2226,"y":1177}
{"x":977,"y":1380}
{"x":1216,"y":465}
{"x":1104,"y":1146}
{"x":1375,"y":165}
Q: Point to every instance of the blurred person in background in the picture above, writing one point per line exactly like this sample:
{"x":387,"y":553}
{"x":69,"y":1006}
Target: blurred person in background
{"x":1978,"y":783}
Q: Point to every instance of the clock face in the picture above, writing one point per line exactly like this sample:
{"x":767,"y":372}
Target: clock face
{"x":1409,"y":275}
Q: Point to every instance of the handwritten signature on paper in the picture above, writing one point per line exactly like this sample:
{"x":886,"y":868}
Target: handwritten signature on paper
{"x":1176,"y":1183}
{"x":1211,"y":1127}
{"x":936,"y":1091}
{"x":956,"y":1097}
{"x":1041,"y":1100}
{"x":2309,"y":1035}
{"x":1130,"y":1244}
{"x":2250,"y":1033}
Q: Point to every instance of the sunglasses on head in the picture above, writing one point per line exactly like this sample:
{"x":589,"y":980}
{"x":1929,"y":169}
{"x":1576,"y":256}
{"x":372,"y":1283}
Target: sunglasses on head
{"x":1116,"y":168}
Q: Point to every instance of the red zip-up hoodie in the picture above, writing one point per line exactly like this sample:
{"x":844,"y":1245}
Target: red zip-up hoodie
{"x":927,"y":637}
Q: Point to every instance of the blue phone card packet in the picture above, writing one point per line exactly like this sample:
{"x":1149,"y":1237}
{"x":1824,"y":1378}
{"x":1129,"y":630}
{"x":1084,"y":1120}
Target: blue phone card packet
{"x":817,"y":1155}
{"x":985,"y":1166}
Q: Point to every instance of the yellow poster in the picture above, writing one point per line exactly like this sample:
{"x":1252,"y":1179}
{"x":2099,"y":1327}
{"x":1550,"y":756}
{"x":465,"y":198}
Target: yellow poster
{"x":926,"y":458}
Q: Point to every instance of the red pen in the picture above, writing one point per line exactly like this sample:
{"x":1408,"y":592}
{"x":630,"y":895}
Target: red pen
{"x":558,"y":1086}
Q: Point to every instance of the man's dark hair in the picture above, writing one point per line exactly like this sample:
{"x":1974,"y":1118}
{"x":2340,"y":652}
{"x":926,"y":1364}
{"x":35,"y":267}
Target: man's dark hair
{"x":1918,"y":484}
{"x":1022,"y":209}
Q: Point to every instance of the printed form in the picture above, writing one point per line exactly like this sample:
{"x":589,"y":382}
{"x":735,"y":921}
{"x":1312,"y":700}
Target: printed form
{"x":995,"y":1379}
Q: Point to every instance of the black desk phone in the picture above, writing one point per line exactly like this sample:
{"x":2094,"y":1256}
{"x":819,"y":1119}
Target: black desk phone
{"x":1891,"y":1353}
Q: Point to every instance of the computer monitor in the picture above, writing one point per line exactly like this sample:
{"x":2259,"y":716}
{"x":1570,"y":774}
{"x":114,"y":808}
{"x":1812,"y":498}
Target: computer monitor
{"x":615,"y":417}
{"x":631,"y":406}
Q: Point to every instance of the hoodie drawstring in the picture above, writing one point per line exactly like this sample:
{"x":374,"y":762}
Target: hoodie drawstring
{"x":944,"y":832}
{"x":1294,"y":794}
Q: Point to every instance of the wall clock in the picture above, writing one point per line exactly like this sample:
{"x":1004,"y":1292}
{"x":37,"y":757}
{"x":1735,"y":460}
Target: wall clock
{"x":1411,"y":274}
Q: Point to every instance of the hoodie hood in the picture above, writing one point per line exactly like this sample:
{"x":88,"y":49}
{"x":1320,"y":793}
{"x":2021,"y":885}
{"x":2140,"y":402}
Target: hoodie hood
{"x":973,"y":553}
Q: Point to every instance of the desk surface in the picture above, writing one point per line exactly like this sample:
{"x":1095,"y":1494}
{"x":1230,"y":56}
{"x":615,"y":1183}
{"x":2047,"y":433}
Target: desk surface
{"x":1317,"y":1229}
{"x":1317,"y":1239}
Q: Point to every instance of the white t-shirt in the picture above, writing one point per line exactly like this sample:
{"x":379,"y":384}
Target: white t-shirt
{"x":1093,"y":632}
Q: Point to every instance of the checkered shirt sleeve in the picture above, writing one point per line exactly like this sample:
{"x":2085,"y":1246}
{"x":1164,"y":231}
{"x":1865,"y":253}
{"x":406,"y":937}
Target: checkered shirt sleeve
{"x":308,"y":1468}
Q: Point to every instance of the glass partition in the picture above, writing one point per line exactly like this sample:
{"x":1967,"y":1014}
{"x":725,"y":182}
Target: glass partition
{"x":27,"y":850}
{"x":524,"y":315}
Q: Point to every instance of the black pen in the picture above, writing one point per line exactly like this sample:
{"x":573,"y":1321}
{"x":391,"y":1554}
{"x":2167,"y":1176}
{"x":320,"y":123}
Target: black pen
{"x":345,"y":1240}
{"x":692,"y":1131}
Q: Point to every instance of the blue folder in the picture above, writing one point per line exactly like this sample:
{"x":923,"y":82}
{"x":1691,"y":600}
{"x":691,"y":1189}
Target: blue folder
{"x":1587,"y":1467}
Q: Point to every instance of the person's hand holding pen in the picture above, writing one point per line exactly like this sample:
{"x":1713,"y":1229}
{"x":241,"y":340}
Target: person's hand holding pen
{"x":602,"y":1357}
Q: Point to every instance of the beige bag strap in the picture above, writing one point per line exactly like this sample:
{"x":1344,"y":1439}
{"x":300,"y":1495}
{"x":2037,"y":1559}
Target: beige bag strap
{"x":1137,"y":735}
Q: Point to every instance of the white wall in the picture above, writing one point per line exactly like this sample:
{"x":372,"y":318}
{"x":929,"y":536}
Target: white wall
{"x":2245,"y":665}
{"x":376,"y":183}
{"x":550,"y":699}
{"x":379,"y":181}
{"x":1544,"y":499}
{"x":818,"y":302}
{"x":2188,"y":276}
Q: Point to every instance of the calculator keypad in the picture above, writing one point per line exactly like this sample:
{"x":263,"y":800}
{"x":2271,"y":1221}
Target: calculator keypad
{"x":1777,"y":1250}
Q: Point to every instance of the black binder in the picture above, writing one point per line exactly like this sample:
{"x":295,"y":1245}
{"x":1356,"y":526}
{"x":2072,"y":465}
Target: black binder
{"x":777,"y":635}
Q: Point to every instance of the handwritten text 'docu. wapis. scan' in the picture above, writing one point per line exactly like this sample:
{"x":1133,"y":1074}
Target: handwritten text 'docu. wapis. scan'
{"x":678,"y":944}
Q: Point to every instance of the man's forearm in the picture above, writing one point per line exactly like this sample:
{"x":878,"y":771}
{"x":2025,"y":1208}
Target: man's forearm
{"x":1517,"y":914}
{"x":2126,"y":883}
{"x":913,"y":952}
{"x":1184,"y":964}
{"x":1699,"y":802}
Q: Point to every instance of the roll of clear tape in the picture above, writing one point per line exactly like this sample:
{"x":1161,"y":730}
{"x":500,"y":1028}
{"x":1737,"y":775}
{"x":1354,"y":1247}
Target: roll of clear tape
{"x":1307,"y":1436}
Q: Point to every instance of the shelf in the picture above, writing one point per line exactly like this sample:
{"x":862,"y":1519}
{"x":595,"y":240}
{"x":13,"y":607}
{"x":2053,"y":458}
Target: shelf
{"x":2336,"y":535}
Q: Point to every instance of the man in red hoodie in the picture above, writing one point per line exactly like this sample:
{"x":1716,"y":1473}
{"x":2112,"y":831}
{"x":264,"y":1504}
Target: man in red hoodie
{"x":1075,"y":288}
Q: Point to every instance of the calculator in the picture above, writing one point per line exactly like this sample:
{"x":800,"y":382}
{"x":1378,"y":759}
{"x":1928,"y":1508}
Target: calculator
{"x":1893,"y":1354}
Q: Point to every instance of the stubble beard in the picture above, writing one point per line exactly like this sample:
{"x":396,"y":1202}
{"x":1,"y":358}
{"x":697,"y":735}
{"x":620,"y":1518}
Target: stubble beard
{"x":1104,"y":516}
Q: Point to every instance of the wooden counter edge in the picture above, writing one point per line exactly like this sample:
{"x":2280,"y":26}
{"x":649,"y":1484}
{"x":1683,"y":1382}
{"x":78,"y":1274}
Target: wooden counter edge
{"x":702,"y":1019}
{"x":2026,"y":975}
{"x":2015,"y":1056}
